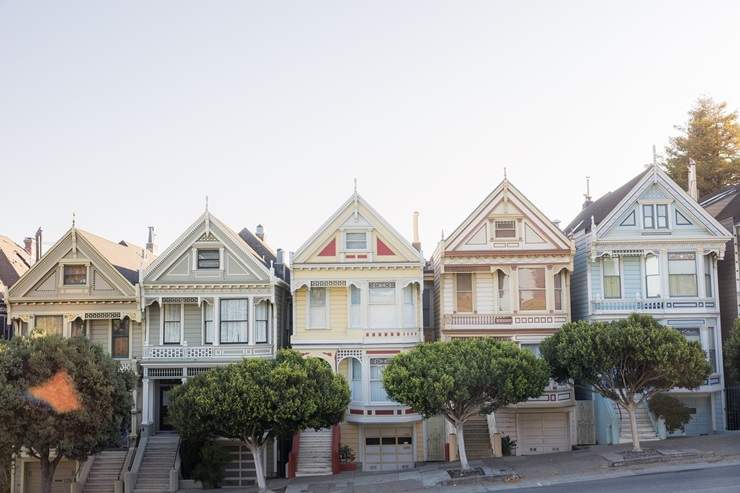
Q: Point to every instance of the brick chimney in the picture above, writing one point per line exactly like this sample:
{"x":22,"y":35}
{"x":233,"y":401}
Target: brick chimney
{"x":260,"y":232}
{"x":28,"y":245}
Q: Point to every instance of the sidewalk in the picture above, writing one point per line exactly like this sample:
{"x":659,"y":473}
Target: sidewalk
{"x":534,"y":470}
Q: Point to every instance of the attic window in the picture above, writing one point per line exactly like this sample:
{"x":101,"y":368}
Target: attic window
{"x":209,"y":259}
{"x":75,"y":275}
{"x":355,"y":241}
{"x":504,"y":229}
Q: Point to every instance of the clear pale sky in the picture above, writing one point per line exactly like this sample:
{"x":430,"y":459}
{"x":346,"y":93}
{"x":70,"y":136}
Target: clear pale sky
{"x":130,"y":113}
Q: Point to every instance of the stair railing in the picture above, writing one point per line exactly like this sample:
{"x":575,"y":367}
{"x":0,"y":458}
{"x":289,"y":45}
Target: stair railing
{"x":119,"y":483}
{"x":132,"y":474}
{"x":175,"y":471}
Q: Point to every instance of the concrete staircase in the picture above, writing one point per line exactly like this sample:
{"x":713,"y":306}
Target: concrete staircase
{"x":159,"y":457}
{"x":105,"y":471}
{"x":645,"y":427}
{"x":477,"y":438}
{"x":314,"y":455}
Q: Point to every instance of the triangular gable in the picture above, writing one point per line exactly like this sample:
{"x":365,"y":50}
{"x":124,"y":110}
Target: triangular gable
{"x":326,"y":244}
{"x":42,"y":278}
{"x":240,"y":262}
{"x":657,"y":185}
{"x":506,"y":201}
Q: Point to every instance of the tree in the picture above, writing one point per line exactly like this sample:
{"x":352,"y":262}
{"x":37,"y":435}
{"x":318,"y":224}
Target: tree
{"x":61,"y":399}
{"x":712,"y":140}
{"x":255,"y":400}
{"x":626,"y":361}
{"x":732,"y":353}
{"x":463,"y":378}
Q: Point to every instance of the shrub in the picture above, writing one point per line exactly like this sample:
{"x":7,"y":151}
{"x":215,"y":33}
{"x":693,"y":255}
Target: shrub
{"x":673,"y":411}
{"x":211,"y":465}
{"x":346,"y":454}
{"x":507,"y":445}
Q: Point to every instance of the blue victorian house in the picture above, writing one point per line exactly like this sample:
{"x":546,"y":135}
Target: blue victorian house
{"x":649,"y":247}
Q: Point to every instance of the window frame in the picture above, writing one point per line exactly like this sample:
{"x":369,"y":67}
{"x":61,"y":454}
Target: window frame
{"x":665,"y":216}
{"x":355,"y":309}
{"x":221,"y":320}
{"x":411,"y":322}
{"x":347,"y":241}
{"x":604,"y":277}
{"x":75,"y":284}
{"x":311,"y":308}
{"x":558,"y":289}
{"x":205,"y":321}
{"x":656,"y":275}
{"x":695,"y":275}
{"x":496,"y":235}
{"x":165,"y":321}
{"x":266,"y":321}
{"x":708,"y":281}
{"x":375,"y":363}
{"x":503,"y":291}
{"x":470,"y":292}
{"x":651,"y":208}
{"x":542,"y":289}
{"x":59,"y":318}
{"x":198,"y":258}
{"x":113,"y":337}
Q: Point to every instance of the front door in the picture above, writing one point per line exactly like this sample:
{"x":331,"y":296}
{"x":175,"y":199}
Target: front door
{"x":164,"y":404}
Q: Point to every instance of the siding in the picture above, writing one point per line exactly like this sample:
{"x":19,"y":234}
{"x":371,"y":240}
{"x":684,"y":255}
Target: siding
{"x":484,"y":293}
{"x":419,"y":440}
{"x":579,"y":279}
{"x":299,"y":310}
{"x":726,"y":278}
{"x":137,"y":339}
{"x":193,"y":325}
{"x":447,"y":294}
{"x":338,"y":310}
{"x":100,"y":333}
{"x":596,"y":280}
{"x":632,"y":277}
{"x":506,"y":423}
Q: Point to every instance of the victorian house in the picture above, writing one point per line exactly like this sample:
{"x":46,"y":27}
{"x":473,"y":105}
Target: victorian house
{"x":213,"y":297}
{"x":14,"y":262}
{"x":357,"y":286}
{"x":649,"y":247}
{"x":504,"y":272}
{"x":85,"y":286}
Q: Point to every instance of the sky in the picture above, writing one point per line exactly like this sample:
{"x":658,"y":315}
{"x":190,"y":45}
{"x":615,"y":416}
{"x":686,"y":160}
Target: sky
{"x":129,"y":114}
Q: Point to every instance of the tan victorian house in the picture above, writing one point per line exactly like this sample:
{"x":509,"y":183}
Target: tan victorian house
{"x":86,"y":286}
{"x":505,"y":273}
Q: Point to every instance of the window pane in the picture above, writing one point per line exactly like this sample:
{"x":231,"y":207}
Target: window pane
{"x":651,"y":265}
{"x":653,"y":286}
{"x":503,"y":292}
{"x":682,"y":285}
{"x":708,"y":275}
{"x":532,"y":299}
{"x":531,"y":278}
{"x":612,"y":287}
{"x":356,"y":241}
{"x":78,"y":328}
{"x":75,"y":275}
{"x":120,"y":334}
{"x":464,"y":302}
{"x":49,"y":325}
{"x":611,"y":266}
{"x":662,"y":213}
{"x":354,"y":294}
{"x":505,"y":229}
{"x":208,"y":259}
{"x":318,"y":297}
{"x":532,"y":348}
{"x":317,"y":307}
{"x":171,"y":313}
{"x":648,"y":221}
{"x":382,"y":296}
{"x":464,"y":282}
{"x":355,"y":307}
{"x":208,"y":322}
{"x":234,"y":320}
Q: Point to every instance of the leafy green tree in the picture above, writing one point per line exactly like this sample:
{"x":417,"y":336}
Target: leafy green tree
{"x":711,"y":138}
{"x":674,"y":412}
{"x":255,"y":400}
{"x":731,"y":353}
{"x":626,"y":361}
{"x":78,"y":417}
{"x":463,"y":378}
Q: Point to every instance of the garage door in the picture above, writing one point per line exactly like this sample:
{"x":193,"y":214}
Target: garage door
{"x":543,"y":433}
{"x":389,"y":448}
{"x":701,"y":416}
{"x":63,"y":477}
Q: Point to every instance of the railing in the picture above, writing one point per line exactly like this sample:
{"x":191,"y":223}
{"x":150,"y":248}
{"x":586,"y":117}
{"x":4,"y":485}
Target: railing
{"x":652,"y":304}
{"x":175,"y":471}
{"x":293,"y":456}
{"x":226,"y":351}
{"x":130,"y":476}
{"x":83,"y":472}
{"x":336,"y":462}
{"x":502,"y":319}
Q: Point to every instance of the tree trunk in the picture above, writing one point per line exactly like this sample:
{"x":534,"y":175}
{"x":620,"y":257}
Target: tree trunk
{"x":631,"y":409}
{"x":47,"y":473}
{"x":257,"y":452}
{"x":461,"y":446}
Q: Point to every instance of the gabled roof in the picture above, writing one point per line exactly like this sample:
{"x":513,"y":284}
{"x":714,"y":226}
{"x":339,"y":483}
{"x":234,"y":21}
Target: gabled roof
{"x":602,"y":207}
{"x":126,"y":257}
{"x":265,"y":253}
{"x":356,"y":198}
{"x":14,"y":261}
{"x":723,"y":203}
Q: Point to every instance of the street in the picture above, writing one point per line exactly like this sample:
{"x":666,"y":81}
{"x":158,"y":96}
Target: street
{"x":718,"y":479}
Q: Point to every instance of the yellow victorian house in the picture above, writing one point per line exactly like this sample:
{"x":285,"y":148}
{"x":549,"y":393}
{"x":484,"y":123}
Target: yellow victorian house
{"x":357,"y":286}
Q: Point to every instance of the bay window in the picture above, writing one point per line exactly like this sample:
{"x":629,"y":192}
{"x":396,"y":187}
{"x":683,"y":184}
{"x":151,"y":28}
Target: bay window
{"x":503,"y":291}
{"x":682,"y":274}
{"x":355,"y":377}
{"x":532,"y":294}
{"x":377,"y":390}
{"x":355,"y":307}
{"x":172,"y":324}
{"x":464,"y":292}
{"x":652,"y":276}
{"x":612,"y":279}
{"x":317,"y":308}
{"x":234,"y":321}
{"x":261,"y":318}
{"x":119,"y":338}
{"x":382,"y":305}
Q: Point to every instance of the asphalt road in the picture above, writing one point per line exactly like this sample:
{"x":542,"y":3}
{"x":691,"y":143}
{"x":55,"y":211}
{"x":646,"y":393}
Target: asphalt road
{"x":724,"y":479}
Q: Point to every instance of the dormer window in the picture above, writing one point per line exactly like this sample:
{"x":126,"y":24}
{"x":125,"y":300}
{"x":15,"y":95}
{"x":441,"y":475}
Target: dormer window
{"x":209,"y":259}
{"x":75,"y":275}
{"x":504,"y":229}
{"x":355,"y":241}
{"x":655,"y":216}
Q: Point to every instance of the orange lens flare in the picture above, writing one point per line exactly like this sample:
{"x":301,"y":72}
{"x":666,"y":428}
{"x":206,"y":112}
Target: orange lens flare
{"x":59,"y":392}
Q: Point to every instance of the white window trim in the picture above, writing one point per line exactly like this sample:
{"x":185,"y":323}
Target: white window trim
{"x":110,"y":340}
{"x":653,"y":203}
{"x":368,"y":240}
{"x":699,"y":279}
{"x":494,"y":236}
{"x":363,"y":305}
{"x":645,"y":276}
{"x":88,"y":281}
{"x":621,"y":279}
{"x":309,"y":325}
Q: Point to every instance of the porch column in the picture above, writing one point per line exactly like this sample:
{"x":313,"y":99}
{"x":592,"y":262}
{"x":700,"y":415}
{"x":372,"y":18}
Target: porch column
{"x":145,"y":411}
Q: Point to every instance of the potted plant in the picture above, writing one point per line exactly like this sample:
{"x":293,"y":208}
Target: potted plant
{"x":347,"y":458}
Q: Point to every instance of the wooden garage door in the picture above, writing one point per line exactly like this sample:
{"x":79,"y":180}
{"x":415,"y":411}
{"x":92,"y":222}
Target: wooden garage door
{"x":543,"y":433}
{"x":62,"y":477}
{"x":389,"y":448}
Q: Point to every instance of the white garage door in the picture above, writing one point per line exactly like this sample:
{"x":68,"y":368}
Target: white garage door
{"x":389,"y":448}
{"x":63,"y":477}
{"x":543,"y":433}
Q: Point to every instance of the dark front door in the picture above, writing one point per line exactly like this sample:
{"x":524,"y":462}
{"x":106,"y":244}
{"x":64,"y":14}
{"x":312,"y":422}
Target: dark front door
{"x":164,"y":404}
